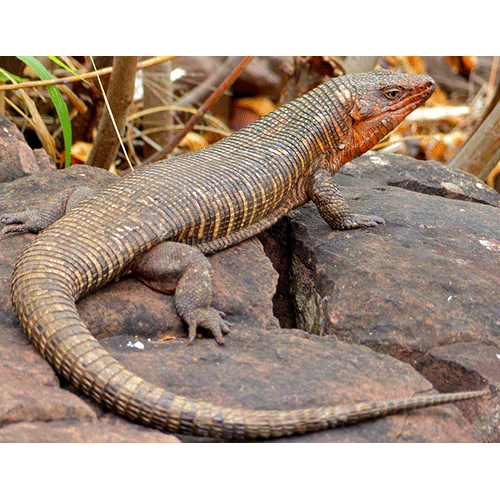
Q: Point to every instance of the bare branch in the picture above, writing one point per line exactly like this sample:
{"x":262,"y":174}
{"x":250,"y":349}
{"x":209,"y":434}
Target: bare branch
{"x":120,"y":95}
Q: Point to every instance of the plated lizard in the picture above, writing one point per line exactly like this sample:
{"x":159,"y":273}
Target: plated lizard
{"x":160,"y":220}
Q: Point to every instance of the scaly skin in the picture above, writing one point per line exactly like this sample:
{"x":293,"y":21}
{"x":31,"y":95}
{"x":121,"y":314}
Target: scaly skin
{"x":200,"y":203}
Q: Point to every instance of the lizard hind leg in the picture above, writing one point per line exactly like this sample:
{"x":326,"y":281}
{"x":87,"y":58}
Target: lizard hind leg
{"x":172,"y":267}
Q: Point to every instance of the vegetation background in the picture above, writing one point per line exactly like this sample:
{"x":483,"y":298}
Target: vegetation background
{"x":168,"y":105}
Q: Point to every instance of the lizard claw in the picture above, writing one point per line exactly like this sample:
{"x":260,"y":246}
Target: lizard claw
{"x":210,"y":319}
{"x":356,"y":221}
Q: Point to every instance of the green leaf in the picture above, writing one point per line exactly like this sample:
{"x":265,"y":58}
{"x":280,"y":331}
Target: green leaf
{"x":59,"y":104}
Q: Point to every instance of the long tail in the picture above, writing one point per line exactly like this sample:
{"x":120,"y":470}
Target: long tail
{"x":44,"y":300}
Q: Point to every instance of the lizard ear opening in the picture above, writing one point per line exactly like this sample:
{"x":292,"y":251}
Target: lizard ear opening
{"x":362,"y":111}
{"x":356,"y":113}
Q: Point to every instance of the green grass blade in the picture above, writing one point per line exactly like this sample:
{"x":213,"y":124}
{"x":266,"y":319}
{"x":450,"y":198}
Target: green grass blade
{"x":4,"y":76}
{"x":60,"y":63}
{"x":59,"y":104}
{"x":65,"y":66}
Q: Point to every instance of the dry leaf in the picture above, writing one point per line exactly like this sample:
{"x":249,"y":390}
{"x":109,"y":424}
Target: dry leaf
{"x":193,"y":141}
{"x":80,"y":152}
{"x":461,"y":65}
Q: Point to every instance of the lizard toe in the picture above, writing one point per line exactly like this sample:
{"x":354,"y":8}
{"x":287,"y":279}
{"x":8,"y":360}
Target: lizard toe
{"x":358,"y":221}
{"x":22,"y":222}
{"x":209,"y":319}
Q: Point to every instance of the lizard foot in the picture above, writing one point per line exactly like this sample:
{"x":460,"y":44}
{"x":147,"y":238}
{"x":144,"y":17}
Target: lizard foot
{"x":20,"y":222}
{"x":356,"y":221}
{"x":35,"y":221}
{"x":209,"y":318}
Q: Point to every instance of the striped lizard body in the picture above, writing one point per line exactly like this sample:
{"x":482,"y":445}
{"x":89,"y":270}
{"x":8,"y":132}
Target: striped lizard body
{"x":162,"y":219}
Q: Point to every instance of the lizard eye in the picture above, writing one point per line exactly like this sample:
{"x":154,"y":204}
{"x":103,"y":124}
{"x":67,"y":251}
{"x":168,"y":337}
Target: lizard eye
{"x":392,"y":93}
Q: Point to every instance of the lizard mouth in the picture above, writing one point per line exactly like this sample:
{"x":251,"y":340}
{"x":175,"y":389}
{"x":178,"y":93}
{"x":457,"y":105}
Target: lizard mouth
{"x":421,"y":95}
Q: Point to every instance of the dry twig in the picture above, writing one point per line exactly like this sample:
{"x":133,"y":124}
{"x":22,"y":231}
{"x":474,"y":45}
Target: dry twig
{"x":85,"y":76}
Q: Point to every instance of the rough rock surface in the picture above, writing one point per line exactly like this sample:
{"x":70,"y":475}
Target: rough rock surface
{"x":422,"y":288}
{"x":17,"y":159}
{"x":263,"y":366}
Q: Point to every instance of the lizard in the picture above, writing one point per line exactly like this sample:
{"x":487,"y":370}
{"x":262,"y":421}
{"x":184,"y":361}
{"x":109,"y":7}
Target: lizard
{"x":164,"y":218}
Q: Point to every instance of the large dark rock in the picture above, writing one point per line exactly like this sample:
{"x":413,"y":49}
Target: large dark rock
{"x":261,"y":366}
{"x":289,"y":369}
{"x":427,"y":280}
{"x":430,"y":277}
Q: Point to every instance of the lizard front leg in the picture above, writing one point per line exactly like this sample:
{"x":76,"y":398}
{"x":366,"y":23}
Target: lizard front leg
{"x":36,"y":220}
{"x":332,"y":206}
{"x":176,"y":266}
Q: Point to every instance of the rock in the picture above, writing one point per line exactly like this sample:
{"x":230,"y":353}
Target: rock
{"x":82,"y":432}
{"x":17,"y":159}
{"x":26,"y":402}
{"x":261,"y":366}
{"x":429,"y":177}
{"x":428,"y":279}
{"x":434,"y":263}
{"x":288,"y":369}
{"x":244,"y":284}
{"x":243,"y":287}
{"x":465,"y":364}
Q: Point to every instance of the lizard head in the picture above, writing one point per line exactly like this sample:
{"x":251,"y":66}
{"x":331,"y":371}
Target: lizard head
{"x":381,"y":100}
